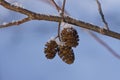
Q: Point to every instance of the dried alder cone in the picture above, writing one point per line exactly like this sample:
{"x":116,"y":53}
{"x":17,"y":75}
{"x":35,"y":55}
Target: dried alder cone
{"x":66,"y":54}
{"x":69,"y":39}
{"x":50,"y":49}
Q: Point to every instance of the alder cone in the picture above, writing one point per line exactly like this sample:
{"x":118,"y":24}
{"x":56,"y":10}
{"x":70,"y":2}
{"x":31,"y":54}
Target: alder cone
{"x":50,"y":49}
{"x":70,"y":37}
{"x":66,"y":54}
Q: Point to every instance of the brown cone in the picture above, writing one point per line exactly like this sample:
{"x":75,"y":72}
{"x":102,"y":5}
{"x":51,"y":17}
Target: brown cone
{"x":66,"y":54}
{"x":70,"y":37}
{"x":51,"y":49}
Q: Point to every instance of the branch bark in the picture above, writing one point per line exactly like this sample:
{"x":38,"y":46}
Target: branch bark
{"x":37,"y":16}
{"x":102,"y":15}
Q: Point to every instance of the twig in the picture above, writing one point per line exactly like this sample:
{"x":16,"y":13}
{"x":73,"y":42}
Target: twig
{"x":61,"y":12}
{"x":63,"y":8}
{"x":15,"y":22}
{"x":59,"y":24}
{"x":52,"y":3}
{"x":105,"y":45}
{"x":67,"y":19}
{"x":62,"y":15}
{"x":57,"y":7}
{"x":102,"y":15}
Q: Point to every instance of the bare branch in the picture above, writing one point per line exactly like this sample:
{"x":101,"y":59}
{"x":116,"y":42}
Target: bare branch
{"x":104,"y":44}
{"x":62,"y":15}
{"x":102,"y":15}
{"x":63,"y":8}
{"x":50,"y":2}
{"x":67,"y":19}
{"x":15,"y":8}
{"x":59,"y":10}
{"x":59,"y":24}
{"x":15,"y":22}
{"x":57,"y":7}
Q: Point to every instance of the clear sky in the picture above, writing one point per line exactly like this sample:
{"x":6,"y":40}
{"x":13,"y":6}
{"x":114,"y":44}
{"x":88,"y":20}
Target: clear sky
{"x":22,"y":47}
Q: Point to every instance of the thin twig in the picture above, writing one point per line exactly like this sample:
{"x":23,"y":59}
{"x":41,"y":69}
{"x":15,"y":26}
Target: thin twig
{"x":105,"y":45}
{"x":63,"y":9}
{"x":102,"y":15}
{"x":57,"y":7}
{"x":15,"y":22}
{"x":52,"y":4}
{"x":59,"y":24}
{"x":61,"y":12}
{"x":59,"y":36}
{"x":62,"y":15}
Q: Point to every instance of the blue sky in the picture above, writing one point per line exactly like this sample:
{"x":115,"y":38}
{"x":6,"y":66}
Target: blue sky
{"x":22,"y":47}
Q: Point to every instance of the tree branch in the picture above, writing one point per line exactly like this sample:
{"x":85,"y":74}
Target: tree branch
{"x":104,"y":44}
{"x":67,"y":19}
{"x":15,"y":22}
{"x":102,"y":15}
